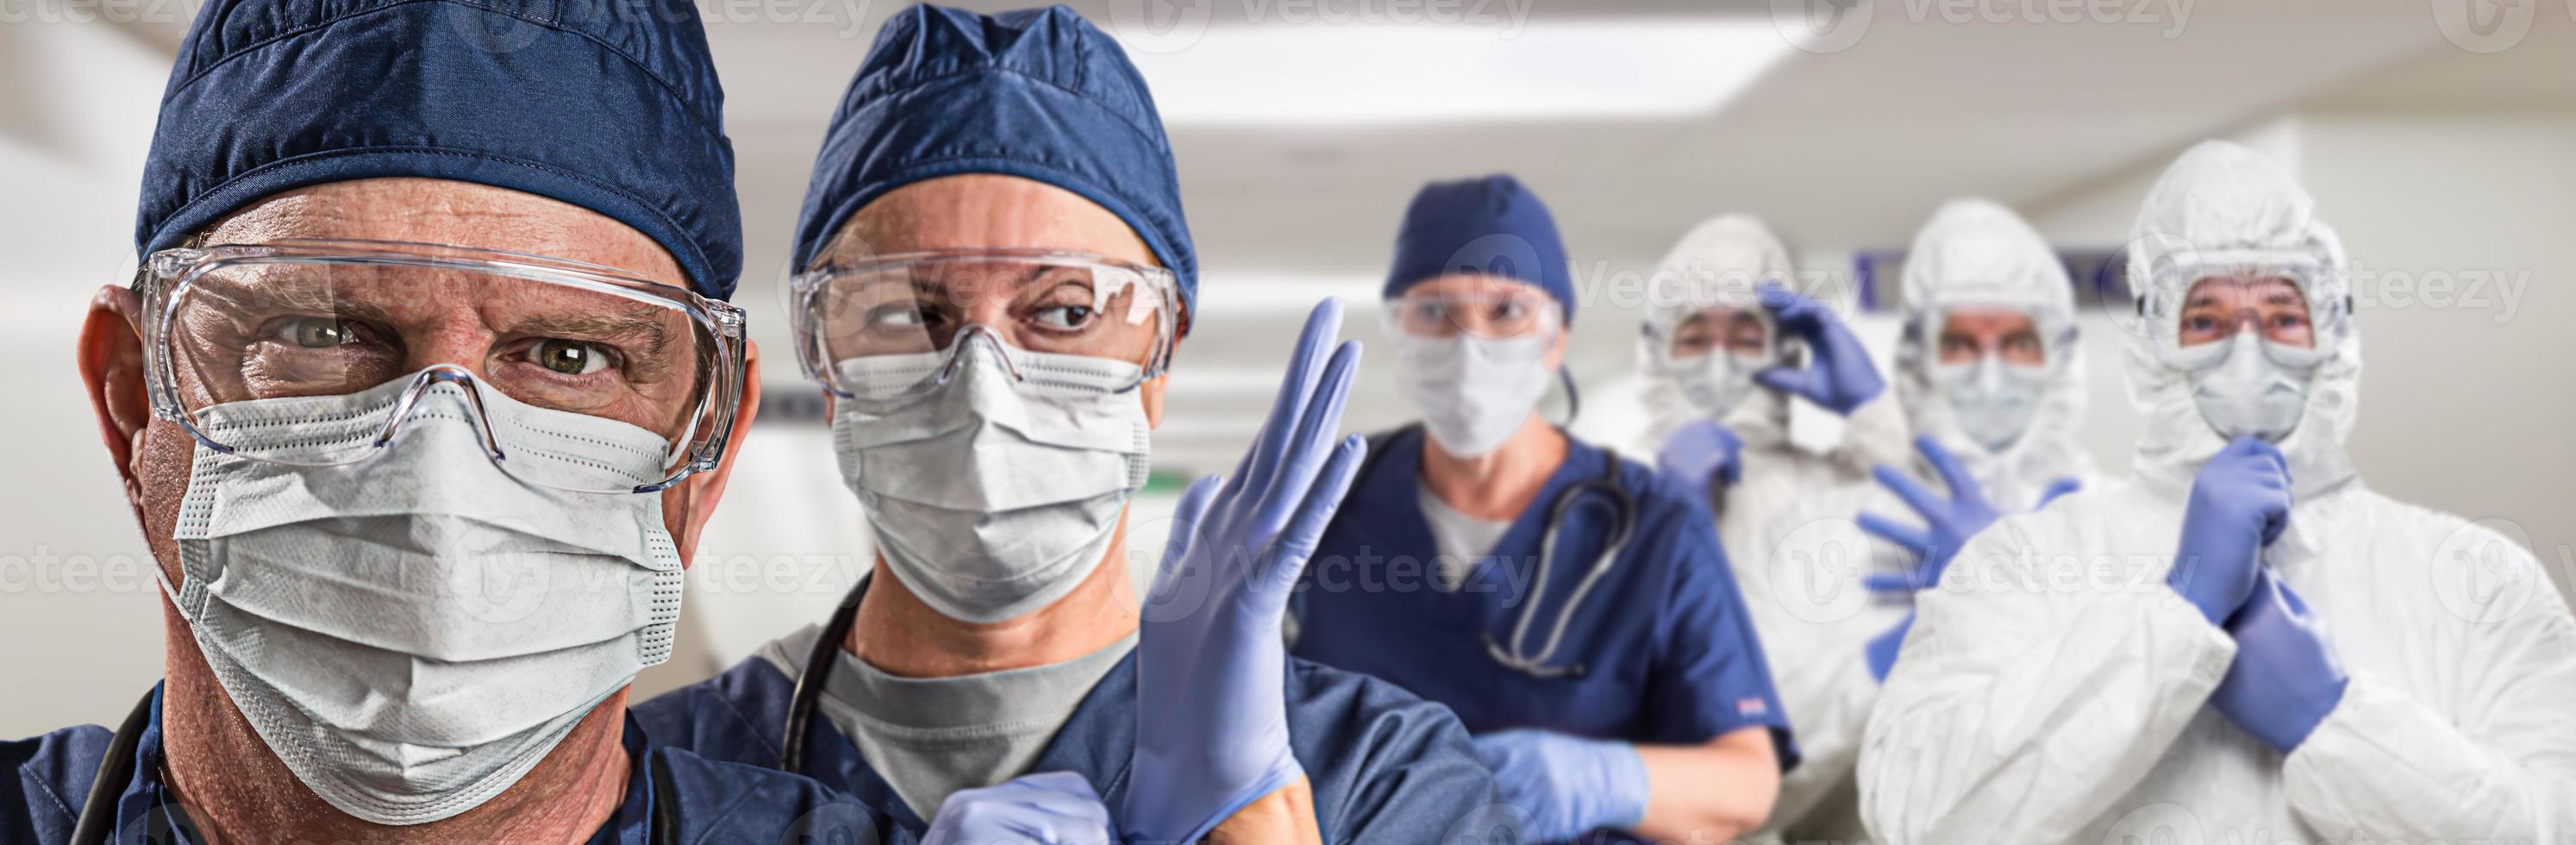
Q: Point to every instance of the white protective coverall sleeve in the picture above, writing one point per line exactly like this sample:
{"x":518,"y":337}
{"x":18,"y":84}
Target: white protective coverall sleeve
{"x":1816,"y":619}
{"x":2034,"y":690}
{"x":2496,"y":762}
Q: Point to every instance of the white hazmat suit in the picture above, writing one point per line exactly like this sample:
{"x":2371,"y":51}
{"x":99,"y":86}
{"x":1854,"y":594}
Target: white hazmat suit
{"x":1724,"y":260}
{"x":2054,"y":687}
{"x":1972,"y":254}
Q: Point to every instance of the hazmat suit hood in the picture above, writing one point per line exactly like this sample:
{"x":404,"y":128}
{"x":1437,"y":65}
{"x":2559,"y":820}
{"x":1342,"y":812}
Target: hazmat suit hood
{"x":2224,"y":208}
{"x":1722,"y":261}
{"x":1978,"y":254}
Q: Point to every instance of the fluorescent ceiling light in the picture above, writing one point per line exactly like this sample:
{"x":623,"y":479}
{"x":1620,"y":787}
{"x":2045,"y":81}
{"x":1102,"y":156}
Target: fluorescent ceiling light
{"x":1257,"y":293}
{"x":1333,"y":74}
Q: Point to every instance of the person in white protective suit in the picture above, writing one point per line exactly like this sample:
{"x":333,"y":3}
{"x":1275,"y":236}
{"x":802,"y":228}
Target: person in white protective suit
{"x":2243,"y":643}
{"x":1721,"y":332}
{"x":1991,"y":379}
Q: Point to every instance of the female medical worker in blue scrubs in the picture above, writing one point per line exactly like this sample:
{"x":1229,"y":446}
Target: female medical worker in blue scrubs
{"x":1573,"y":609}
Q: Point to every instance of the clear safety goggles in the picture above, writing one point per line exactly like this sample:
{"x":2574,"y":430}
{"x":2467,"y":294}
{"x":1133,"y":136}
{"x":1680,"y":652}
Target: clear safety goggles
{"x":1501,"y":313}
{"x":1745,"y":338}
{"x":1946,"y":340}
{"x":231,"y":324}
{"x":862,"y":328}
{"x":2193,"y":313}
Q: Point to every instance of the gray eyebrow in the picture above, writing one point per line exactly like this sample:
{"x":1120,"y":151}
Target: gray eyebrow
{"x":657,"y":338}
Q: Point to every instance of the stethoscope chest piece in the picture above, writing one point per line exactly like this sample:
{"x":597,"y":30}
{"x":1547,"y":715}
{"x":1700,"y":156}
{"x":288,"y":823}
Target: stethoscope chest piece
{"x":1512,"y":653}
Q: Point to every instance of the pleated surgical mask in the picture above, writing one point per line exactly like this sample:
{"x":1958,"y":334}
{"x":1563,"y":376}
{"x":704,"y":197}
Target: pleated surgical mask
{"x":998,"y":492}
{"x":1473,"y":391}
{"x":413,"y":632}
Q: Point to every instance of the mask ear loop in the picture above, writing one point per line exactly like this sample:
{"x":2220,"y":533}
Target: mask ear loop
{"x":438,"y":374}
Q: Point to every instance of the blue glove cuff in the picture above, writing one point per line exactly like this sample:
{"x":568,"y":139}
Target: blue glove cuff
{"x":1624,"y":804}
{"x":1145,"y":825}
{"x":2307,"y":718}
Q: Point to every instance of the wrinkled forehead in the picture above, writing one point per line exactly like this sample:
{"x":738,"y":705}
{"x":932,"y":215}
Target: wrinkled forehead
{"x":446,"y":211}
{"x":983,"y":211}
{"x":426,"y":298}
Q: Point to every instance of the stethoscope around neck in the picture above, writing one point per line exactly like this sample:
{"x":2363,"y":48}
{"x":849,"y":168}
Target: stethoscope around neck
{"x":819,"y":660}
{"x":824,"y":654}
{"x":1512,"y":652}
{"x":98,"y":820}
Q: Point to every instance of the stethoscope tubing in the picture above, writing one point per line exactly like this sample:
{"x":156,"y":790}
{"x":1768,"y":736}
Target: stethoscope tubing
{"x":810,"y":683}
{"x":1623,"y":523}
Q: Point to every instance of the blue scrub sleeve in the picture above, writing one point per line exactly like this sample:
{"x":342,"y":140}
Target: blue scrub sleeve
{"x":1397,"y":768}
{"x":1711,"y":677}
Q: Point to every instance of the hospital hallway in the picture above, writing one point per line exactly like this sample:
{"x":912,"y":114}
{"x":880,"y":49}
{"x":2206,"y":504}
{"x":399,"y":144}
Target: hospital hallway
{"x":2444,"y":153}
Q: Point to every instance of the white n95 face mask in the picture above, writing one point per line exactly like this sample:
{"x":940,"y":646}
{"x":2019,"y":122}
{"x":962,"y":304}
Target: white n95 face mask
{"x":1473,"y":391}
{"x":1993,"y":400}
{"x":991,"y":496}
{"x":1715,"y":386}
{"x":2252,"y":391}
{"x":413,"y":632}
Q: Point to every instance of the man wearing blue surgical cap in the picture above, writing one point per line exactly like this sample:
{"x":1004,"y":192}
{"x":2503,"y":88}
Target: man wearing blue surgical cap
{"x":1574,"y":609}
{"x":421,"y":395}
{"x":994,"y":274}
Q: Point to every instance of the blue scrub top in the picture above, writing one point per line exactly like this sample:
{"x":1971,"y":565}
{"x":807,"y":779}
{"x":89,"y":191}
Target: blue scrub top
{"x":1384,"y":766}
{"x":44,"y":781}
{"x":1670,"y":657}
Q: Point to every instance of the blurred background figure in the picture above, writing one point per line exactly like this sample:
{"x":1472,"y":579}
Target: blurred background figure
{"x":1300,"y":129}
{"x":1990,"y":377}
{"x":2271,"y":661}
{"x":1727,"y":351}
{"x":1575,"y":612}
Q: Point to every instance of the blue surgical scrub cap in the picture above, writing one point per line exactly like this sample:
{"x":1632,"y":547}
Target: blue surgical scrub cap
{"x":1038,"y":93}
{"x":1489,"y":226}
{"x":611,"y":105}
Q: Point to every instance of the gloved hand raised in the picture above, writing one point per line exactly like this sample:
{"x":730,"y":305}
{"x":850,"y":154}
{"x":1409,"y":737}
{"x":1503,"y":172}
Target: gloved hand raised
{"x":1699,"y":455}
{"x":2239,"y":504}
{"x":1838,"y":374}
{"x":1947,"y":523}
{"x":1567,"y":784}
{"x":2286,"y":678}
{"x":1054,"y":808}
{"x":1211,"y":666}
